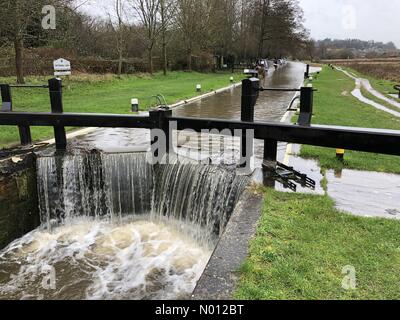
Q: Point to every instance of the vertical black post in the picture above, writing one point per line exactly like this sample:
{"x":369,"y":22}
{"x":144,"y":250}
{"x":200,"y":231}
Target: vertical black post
{"x":270,"y":153}
{"x":307,"y":73}
{"x":306,"y":106}
{"x":250,"y":92}
{"x":25,"y":135}
{"x":55,"y":89}
{"x":6,"y":105}
{"x":270,"y":162}
{"x":160,"y":118}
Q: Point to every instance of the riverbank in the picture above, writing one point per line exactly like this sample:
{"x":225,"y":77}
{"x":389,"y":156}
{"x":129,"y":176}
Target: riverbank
{"x":334,"y":105}
{"x":303,"y":245}
{"x":110,"y":94}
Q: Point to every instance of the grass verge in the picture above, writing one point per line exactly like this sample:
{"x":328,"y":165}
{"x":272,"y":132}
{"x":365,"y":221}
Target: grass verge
{"x":109,"y":94}
{"x":303,"y":244}
{"x":334,"y":105}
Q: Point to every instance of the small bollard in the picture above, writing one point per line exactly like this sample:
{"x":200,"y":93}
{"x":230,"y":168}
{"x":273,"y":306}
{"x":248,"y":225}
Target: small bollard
{"x":340,"y":154}
{"x":231,"y":79}
{"x":198,"y":88}
{"x":135,"y":105}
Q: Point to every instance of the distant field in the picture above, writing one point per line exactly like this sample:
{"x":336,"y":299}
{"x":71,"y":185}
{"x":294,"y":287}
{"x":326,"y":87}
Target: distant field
{"x":369,"y":61}
{"x":384,"y":69}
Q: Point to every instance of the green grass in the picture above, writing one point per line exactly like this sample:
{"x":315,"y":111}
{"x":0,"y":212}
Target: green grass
{"x":109,"y":94}
{"x":334,"y":105}
{"x":303,"y":244}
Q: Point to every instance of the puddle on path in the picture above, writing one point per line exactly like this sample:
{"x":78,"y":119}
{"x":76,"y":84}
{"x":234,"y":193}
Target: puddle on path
{"x":368,"y":194}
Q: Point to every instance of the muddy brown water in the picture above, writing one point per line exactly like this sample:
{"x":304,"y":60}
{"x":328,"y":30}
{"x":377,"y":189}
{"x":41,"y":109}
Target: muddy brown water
{"x":271,"y":106}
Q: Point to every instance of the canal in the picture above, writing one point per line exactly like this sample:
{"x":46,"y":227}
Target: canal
{"x":114,"y":227}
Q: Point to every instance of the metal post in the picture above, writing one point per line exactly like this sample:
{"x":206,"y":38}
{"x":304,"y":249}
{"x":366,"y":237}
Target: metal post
{"x":55,"y":90}
{"x":306,"y":106}
{"x":6,"y":105}
{"x":160,"y":119}
{"x":250,"y":92}
{"x":25,"y":135}
{"x":6,"y":97}
{"x":270,"y":162}
{"x":270,"y":153}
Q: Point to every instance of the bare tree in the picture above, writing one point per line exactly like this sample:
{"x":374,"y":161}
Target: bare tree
{"x":264,"y":12}
{"x":167,"y":10}
{"x":188,"y":21}
{"x":119,"y":29}
{"x":15,"y":18}
{"x":149,"y":14}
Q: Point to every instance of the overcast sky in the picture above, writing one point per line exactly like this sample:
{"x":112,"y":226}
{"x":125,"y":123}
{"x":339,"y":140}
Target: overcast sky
{"x":363,"y":19}
{"x":341,"y":19}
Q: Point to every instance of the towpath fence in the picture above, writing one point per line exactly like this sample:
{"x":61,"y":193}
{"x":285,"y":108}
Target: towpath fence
{"x":350,"y":138}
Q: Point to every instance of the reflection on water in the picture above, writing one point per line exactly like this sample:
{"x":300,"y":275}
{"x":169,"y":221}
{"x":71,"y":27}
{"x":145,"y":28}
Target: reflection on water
{"x":364,"y":193}
{"x":271,"y":106}
{"x":88,"y":259}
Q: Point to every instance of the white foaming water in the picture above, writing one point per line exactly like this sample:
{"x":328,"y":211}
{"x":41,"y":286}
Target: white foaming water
{"x":115,"y":227}
{"x":89,"y":259}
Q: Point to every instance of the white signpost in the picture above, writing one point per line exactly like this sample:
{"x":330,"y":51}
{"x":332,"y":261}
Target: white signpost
{"x":62,"y":67}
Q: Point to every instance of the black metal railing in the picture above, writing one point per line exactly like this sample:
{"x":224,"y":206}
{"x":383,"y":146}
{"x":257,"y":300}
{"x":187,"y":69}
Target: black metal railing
{"x":358,"y":139}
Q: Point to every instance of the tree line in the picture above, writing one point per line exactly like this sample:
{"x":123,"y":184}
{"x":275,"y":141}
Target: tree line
{"x":329,"y":49}
{"x":179,"y":34}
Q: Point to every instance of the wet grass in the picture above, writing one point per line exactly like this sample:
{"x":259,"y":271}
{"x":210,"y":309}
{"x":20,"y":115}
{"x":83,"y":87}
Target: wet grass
{"x":303,"y":244}
{"x":109,"y":94}
{"x":334,"y":105}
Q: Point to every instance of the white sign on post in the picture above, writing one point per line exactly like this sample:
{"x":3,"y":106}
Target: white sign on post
{"x":62,"y":67}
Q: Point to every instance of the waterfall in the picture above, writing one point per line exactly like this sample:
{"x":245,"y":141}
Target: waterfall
{"x":114,"y":186}
{"x":199,"y":194}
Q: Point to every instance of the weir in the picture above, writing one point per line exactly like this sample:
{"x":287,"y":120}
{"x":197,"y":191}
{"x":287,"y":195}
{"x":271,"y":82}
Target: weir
{"x":113,"y":186}
{"x":114,"y":226}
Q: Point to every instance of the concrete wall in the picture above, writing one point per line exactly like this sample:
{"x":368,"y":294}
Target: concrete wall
{"x":19,"y":212}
